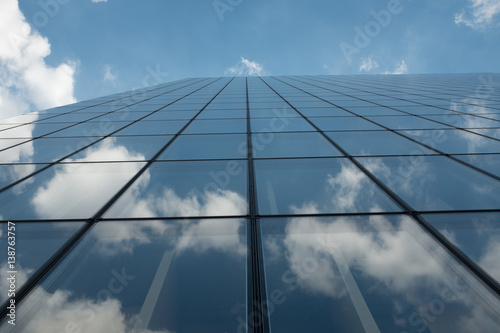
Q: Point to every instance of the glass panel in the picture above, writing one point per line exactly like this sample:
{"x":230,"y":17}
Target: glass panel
{"x":66,"y":191}
{"x":273,"y":113}
{"x":280,"y":124}
{"x":23,"y":131}
{"x":487,"y":162}
{"x":123,"y":148}
{"x":217,"y":114}
{"x":43,"y":150}
{"x":455,"y":141}
{"x":374,"y":111}
{"x":172,"y":115}
{"x":217,"y":126}
{"x":34,"y":244}
{"x":154,"y":127}
{"x":435,"y":182}
{"x":312,"y":186}
{"x":146,"y":276}
{"x":208,"y":146}
{"x":475,"y":234}
{"x":376,"y":143}
{"x":406,"y":122}
{"x":292,"y":145}
{"x":343,"y":124}
{"x":465,"y":121}
{"x":10,"y":173}
{"x":166,"y":189}
{"x":368,"y":274}
{"x":91,"y":129}
{"x":324,"y":112}
{"x":491,"y":132}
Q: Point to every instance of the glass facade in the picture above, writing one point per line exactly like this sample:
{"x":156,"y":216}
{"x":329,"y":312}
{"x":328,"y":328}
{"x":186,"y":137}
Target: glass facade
{"x":259,"y":204}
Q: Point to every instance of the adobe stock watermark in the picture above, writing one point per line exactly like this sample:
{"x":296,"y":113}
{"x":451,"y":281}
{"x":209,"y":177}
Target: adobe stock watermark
{"x":48,"y":10}
{"x":364,"y":35}
{"x":223,"y":6}
{"x":485,"y":89}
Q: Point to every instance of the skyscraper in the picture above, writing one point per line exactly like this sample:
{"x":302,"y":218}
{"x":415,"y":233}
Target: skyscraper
{"x":260,"y":204}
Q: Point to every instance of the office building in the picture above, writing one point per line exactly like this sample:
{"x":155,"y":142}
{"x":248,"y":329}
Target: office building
{"x":259,"y":204}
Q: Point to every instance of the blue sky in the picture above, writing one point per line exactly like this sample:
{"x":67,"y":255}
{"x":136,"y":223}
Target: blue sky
{"x":55,"y":52}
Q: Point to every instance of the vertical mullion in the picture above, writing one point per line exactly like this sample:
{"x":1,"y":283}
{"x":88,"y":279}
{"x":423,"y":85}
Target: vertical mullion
{"x":257,"y":316}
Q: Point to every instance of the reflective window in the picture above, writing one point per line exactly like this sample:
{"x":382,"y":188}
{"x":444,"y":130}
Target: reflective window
{"x":35,"y":243}
{"x":307,"y":144}
{"x":123,"y":148}
{"x":10,"y":173}
{"x":374,"y":111}
{"x":367,"y":274}
{"x":90,"y":130}
{"x":180,"y":189}
{"x":273,"y":113}
{"x":218,"y":114}
{"x":406,"y":122}
{"x":343,"y":124}
{"x":475,"y":234}
{"x":43,"y":150}
{"x":376,"y":143}
{"x":209,"y":146}
{"x":455,"y":141}
{"x":280,"y":124}
{"x":487,"y":162}
{"x":217,"y":126}
{"x":314,"y":186}
{"x":324,"y":112}
{"x":194,"y":280}
{"x":171,"y":115}
{"x":435,"y":182}
{"x":154,"y":127}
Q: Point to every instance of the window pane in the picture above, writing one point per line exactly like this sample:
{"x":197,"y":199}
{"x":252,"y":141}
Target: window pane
{"x":376,"y":143}
{"x":171,"y":189}
{"x":292,"y":145}
{"x":217,"y":126}
{"x":218,"y":114}
{"x":280,"y":124}
{"x":154,"y":276}
{"x":343,"y":124}
{"x":43,"y":150}
{"x":35,"y":244}
{"x":475,"y":234}
{"x":406,"y":122}
{"x":487,"y":162}
{"x":209,"y":146}
{"x":455,"y":141}
{"x":435,"y":182}
{"x":326,"y":185}
{"x":367,"y":274}
{"x":123,"y":148}
{"x":154,"y":127}
{"x":90,"y":130}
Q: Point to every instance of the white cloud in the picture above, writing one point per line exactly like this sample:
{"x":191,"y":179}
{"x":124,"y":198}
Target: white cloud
{"x":99,"y":0}
{"x":246,"y":67}
{"x":368,"y":64}
{"x":26,"y":81}
{"x":108,"y":75}
{"x":481,"y":16}
{"x":401,"y":68}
